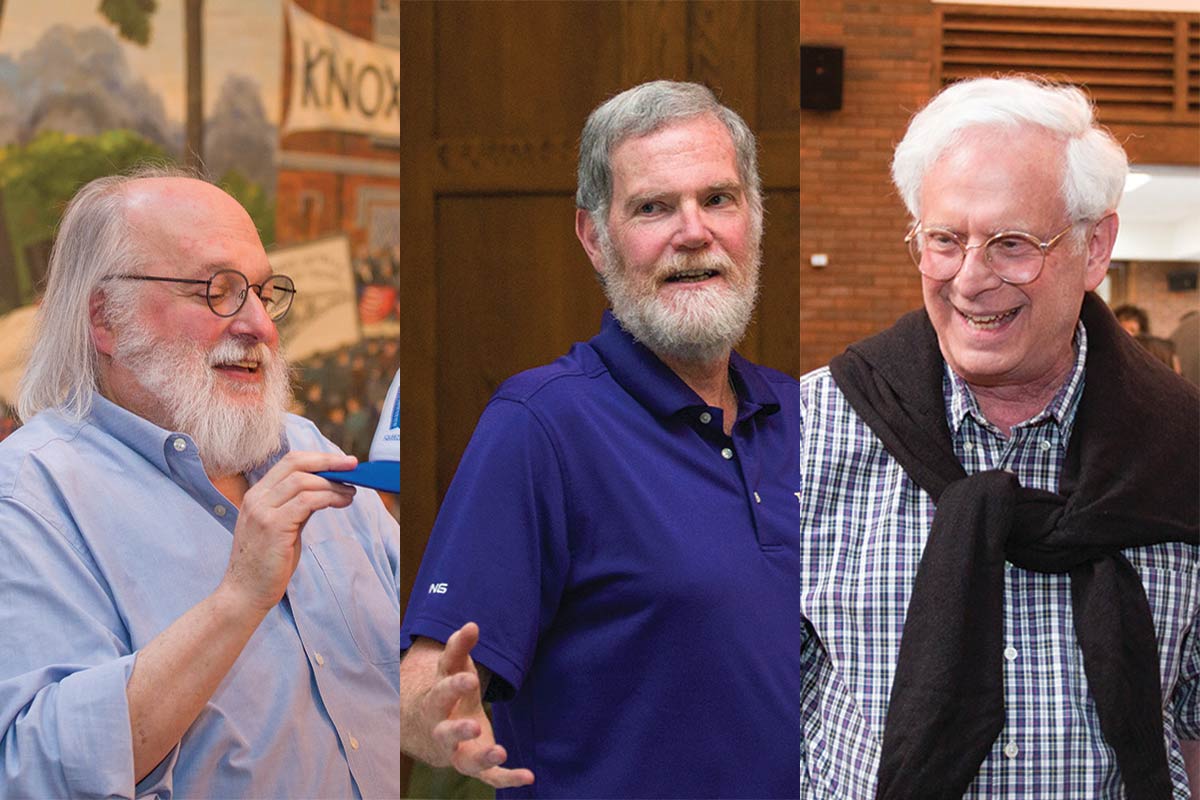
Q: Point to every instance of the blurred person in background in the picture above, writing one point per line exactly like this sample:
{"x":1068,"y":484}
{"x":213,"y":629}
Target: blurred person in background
{"x":1132,"y":318}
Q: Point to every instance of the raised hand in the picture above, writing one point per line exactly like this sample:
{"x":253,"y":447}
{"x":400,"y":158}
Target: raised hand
{"x":442,"y":711}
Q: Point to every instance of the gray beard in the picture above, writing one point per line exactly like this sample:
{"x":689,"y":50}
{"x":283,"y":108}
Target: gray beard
{"x":232,"y":438}
{"x":698,"y":328}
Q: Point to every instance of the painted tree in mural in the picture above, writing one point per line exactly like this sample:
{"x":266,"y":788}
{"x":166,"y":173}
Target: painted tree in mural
{"x":75,"y":83}
{"x":132,"y":18}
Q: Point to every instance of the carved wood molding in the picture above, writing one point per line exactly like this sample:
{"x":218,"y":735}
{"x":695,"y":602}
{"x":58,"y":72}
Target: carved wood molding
{"x":504,"y":164}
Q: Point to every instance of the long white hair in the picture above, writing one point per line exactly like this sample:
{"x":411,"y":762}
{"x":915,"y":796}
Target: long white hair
{"x":93,"y":242}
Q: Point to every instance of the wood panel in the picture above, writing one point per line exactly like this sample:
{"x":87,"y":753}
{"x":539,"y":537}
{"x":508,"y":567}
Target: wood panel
{"x":514,"y":289}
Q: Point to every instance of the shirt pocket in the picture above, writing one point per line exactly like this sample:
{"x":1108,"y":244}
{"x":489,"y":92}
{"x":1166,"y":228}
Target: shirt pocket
{"x":1173,"y":594}
{"x":371,"y":615}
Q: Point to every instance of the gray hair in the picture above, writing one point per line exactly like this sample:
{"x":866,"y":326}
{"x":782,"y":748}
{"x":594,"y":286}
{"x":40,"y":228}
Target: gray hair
{"x":93,"y":243}
{"x":643,"y":110}
{"x":1095,"y":164}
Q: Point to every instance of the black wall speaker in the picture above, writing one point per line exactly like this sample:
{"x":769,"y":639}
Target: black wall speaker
{"x":1181,"y":280}
{"x":821,"y":78}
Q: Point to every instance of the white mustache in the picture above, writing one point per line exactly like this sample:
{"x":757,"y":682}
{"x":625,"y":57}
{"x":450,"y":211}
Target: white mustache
{"x":229,"y":351}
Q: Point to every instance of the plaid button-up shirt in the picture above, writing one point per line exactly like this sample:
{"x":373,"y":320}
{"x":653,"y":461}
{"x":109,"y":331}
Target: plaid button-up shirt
{"x":863,"y":528}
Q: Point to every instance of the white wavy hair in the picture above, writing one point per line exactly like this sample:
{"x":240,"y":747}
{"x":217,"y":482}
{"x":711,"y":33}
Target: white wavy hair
{"x":1095,"y":163}
{"x":92,"y":243}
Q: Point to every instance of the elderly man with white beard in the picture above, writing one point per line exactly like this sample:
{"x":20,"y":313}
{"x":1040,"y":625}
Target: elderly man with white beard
{"x":187,"y":610}
{"x":615,"y":562}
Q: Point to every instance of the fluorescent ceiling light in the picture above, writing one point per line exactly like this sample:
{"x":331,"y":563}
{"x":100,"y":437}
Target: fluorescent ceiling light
{"x":1135,"y":180}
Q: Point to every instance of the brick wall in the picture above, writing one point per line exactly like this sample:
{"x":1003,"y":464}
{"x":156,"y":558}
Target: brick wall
{"x":848,"y":207}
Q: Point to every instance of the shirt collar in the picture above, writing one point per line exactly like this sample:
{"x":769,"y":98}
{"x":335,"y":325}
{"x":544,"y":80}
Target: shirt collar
{"x":961,"y":402}
{"x":150,"y":441}
{"x":654,"y":385}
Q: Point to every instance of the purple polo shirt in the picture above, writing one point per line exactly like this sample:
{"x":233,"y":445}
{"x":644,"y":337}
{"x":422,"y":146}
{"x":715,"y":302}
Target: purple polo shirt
{"x":634,"y":574}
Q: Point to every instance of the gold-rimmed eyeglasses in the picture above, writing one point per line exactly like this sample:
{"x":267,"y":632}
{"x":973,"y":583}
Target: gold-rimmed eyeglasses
{"x":227,"y":289}
{"x":1016,"y":257}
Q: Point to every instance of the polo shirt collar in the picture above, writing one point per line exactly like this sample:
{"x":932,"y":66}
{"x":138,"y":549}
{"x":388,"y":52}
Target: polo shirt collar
{"x":656,"y":387}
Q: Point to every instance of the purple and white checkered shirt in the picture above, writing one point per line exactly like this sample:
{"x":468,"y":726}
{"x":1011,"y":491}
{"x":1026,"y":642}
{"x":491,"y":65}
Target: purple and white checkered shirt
{"x":863,"y":529}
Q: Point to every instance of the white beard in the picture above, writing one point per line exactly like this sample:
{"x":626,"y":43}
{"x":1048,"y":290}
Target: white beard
{"x":232,"y":437}
{"x":696,"y":326}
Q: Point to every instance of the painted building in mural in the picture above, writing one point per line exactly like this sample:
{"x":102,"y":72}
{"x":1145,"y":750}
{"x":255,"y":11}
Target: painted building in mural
{"x":344,"y":178}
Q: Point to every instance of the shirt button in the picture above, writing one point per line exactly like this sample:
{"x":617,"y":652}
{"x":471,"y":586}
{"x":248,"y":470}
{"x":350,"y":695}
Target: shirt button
{"x":968,"y":446}
{"x":726,"y":453}
{"x":705,"y":417}
{"x":354,"y":743}
{"x":320,"y":659}
{"x":219,"y":510}
{"x":1046,"y":445}
{"x":757,"y":499}
{"x":1010,"y":653}
{"x":1011,"y":750}
{"x":179,"y":444}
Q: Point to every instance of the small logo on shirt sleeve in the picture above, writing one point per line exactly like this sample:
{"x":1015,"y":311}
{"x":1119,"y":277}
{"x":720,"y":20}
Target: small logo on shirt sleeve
{"x":438,"y":588}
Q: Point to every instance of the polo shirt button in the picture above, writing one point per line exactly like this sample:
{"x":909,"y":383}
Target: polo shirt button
{"x":726,"y":453}
{"x":179,"y":444}
{"x":705,"y":417}
{"x":219,"y":510}
{"x":353,"y":743}
{"x":1011,"y":750}
{"x":320,"y":659}
{"x":1010,"y":653}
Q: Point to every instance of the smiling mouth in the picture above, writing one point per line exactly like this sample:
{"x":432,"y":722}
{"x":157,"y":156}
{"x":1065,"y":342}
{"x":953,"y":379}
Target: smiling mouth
{"x":692,"y":276}
{"x":249,"y":367}
{"x":990,"y":322}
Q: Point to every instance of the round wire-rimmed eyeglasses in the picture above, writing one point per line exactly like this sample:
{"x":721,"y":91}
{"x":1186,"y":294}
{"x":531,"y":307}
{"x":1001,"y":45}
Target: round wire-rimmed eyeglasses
{"x":227,"y":289}
{"x":1016,"y":257}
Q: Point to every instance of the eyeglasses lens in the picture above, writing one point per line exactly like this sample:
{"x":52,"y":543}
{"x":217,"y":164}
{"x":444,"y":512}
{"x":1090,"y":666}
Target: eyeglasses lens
{"x":227,"y":292}
{"x":277,"y":294}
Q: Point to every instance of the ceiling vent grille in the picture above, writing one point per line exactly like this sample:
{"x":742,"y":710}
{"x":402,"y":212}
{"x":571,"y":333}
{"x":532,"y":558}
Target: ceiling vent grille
{"x":1137,"y":66}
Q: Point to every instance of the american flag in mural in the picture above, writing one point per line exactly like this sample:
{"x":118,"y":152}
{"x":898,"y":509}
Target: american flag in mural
{"x":376,"y":303}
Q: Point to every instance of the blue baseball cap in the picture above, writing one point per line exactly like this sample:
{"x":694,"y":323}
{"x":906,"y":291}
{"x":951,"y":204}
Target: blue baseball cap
{"x":382,"y":470}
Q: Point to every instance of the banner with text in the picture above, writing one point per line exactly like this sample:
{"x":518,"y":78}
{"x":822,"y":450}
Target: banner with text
{"x":324,"y":315}
{"x":340,"y":82}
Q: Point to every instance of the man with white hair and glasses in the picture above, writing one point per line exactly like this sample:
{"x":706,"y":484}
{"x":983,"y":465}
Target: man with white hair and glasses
{"x":618,"y":548}
{"x":999,"y":494}
{"x":187,"y":610}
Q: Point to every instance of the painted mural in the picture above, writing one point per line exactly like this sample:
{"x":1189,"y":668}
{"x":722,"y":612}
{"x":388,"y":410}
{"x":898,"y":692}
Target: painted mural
{"x":92,"y":87}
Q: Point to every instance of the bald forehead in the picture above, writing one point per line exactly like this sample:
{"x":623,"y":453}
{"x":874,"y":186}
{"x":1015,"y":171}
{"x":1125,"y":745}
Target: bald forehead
{"x":192,"y":225}
{"x":150,"y":197}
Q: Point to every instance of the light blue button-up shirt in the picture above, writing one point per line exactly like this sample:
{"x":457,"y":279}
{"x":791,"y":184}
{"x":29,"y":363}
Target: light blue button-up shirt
{"x":109,"y":531}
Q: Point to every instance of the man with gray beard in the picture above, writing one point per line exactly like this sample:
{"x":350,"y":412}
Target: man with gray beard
{"x":614,"y":564}
{"x":188,"y":610}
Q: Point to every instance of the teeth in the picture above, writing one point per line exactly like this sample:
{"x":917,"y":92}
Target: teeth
{"x":699,"y":274}
{"x":987,"y":322}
